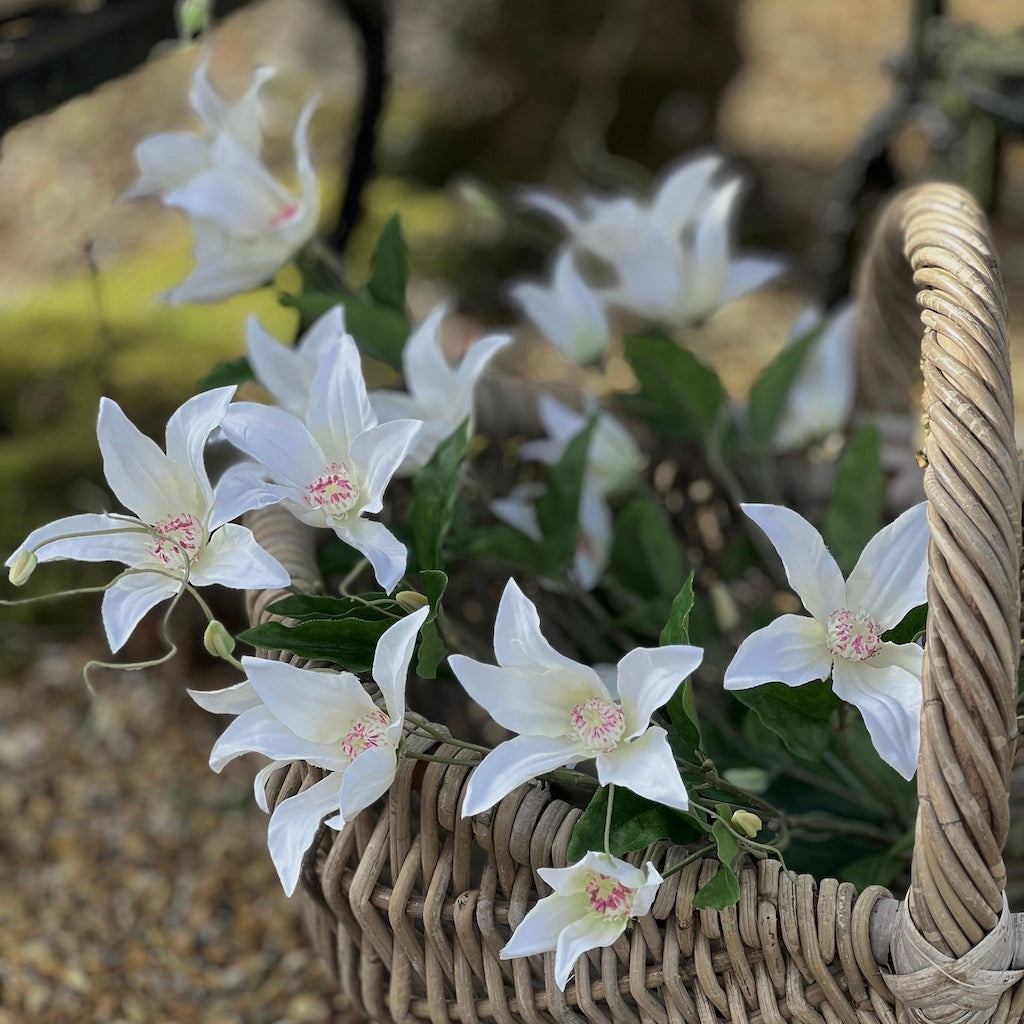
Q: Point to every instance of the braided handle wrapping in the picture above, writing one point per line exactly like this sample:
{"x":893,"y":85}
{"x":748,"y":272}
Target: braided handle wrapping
{"x":933,"y":239}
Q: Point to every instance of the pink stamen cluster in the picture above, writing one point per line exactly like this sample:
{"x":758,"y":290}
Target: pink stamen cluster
{"x":853,"y":635}
{"x":608,"y":895}
{"x":285,"y":216}
{"x":599,"y":723}
{"x":179,"y":540}
{"x":364,"y":733}
{"x":332,"y":490}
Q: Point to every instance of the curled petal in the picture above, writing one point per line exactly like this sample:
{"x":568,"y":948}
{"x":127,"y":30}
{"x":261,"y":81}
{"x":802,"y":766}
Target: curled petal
{"x":90,"y":537}
{"x":538,"y":932}
{"x":368,"y":777}
{"x":232,"y":700}
{"x":391,"y":661}
{"x":386,"y":553}
{"x":790,"y":650}
{"x":647,"y":767}
{"x":128,"y":600}
{"x":648,"y":677}
{"x":592,"y":932}
{"x":232,"y":558}
{"x":294,"y":825}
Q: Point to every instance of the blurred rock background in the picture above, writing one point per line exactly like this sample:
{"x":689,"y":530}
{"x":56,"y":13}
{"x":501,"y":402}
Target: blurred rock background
{"x":138,"y":887}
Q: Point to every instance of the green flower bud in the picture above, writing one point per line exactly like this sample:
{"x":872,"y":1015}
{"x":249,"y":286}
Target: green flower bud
{"x":218,"y":641}
{"x":746,"y":822}
{"x":24,"y":565}
{"x":410,"y":600}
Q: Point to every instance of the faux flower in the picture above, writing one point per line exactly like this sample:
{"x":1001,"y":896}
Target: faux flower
{"x":438,"y":394}
{"x":565,"y":714}
{"x":672,"y":256}
{"x":327,"y":719}
{"x":820,"y":398}
{"x":179,"y":530}
{"x":590,"y":907}
{"x":287,"y":372}
{"x":332,"y":470}
{"x":842,"y":637}
{"x":246,"y":224}
{"x":567,"y":312}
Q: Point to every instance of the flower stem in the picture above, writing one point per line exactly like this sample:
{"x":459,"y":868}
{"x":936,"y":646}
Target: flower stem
{"x":608,"y":819}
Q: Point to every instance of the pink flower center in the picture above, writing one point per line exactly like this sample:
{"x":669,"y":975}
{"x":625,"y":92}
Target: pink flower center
{"x":285,"y":216}
{"x":853,"y":635}
{"x":599,"y":723}
{"x":179,"y":540}
{"x":365,"y":732}
{"x":608,"y":895}
{"x":333,"y":490}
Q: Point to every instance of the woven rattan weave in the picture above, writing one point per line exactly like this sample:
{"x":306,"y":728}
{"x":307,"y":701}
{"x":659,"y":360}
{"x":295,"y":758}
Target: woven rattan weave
{"x":410,"y":904}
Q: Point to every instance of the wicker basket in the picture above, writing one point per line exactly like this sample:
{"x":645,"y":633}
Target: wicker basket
{"x":410,"y":904}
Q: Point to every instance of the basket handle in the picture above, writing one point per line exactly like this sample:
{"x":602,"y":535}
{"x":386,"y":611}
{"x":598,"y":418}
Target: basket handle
{"x":931,"y":256}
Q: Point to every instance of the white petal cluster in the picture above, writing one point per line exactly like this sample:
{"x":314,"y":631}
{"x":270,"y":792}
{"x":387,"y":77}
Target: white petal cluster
{"x":564,"y":713}
{"x":330,"y":469}
{"x":179,"y":529}
{"x":592,"y":902}
{"x":671,"y":257}
{"x":246,"y":224}
{"x":613,"y":465}
{"x":326,"y":719}
{"x":842,"y":635}
{"x":439,"y":395}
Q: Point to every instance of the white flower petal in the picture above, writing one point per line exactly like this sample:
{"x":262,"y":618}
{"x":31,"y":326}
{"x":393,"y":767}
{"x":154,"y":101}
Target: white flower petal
{"x":710,"y":251}
{"x":232,"y":558}
{"x":594,"y":537}
{"x":189,"y":429}
{"x":107,"y":539}
{"x":128,"y":600}
{"x":317,"y":706}
{"x":681,"y":196}
{"x":259,"y":784}
{"x":391,"y":661}
{"x":592,"y":932}
{"x":294,"y":825}
{"x":278,"y":441}
{"x":538,"y":932}
{"x":368,"y":777}
{"x":232,"y":700}
{"x":427,"y":374}
{"x":258,"y":731}
{"x":279,"y":368}
{"x":645,"y":766}
{"x":339,"y":407}
{"x":748,"y":273}
{"x":543,"y":203}
{"x":166,"y":161}
{"x":891,"y":575}
{"x":242,"y":487}
{"x":789,"y":650}
{"x":518,"y":510}
{"x":648,"y":677}
{"x":386,"y":553}
{"x":378,"y":452}
{"x":886,"y":690}
{"x":810,"y":568}
{"x":511,"y":764}
{"x":474,"y":362}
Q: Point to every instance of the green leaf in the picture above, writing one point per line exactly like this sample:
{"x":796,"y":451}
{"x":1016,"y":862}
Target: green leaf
{"x":722,"y":891}
{"x":910,"y":627}
{"x":389,"y":267}
{"x":508,"y":544}
{"x":677,"y":629}
{"x":727,"y":844}
{"x":646,"y":556}
{"x":320,"y":606}
{"x":558,"y":508}
{"x":800,"y":715}
{"x":380,"y":331}
{"x":680,"y":387}
{"x":636,"y":823}
{"x":349,"y":643}
{"x":768,"y":392}
{"x":232,"y":371}
{"x":855,"y":513}
{"x":681,"y":707}
{"x":435,"y":489}
{"x":433,"y":649}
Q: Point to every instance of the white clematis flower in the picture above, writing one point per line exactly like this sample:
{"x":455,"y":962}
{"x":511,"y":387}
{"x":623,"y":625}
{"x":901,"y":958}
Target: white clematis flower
{"x":286,"y":372}
{"x":437,"y":394}
{"x":567,"y":312}
{"x":843,"y":635}
{"x":246,"y":224}
{"x":327,"y":719}
{"x":565,"y":714}
{"x":820,"y":399}
{"x":180,"y":530}
{"x":672,"y":256}
{"x":332,"y":470}
{"x":590,"y":907}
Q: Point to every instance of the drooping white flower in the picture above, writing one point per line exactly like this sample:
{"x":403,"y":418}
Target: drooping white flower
{"x":327,"y":719}
{"x":672,"y":256}
{"x":565,"y":714}
{"x":567,"y":312}
{"x":820,"y":398}
{"x":180,"y":527}
{"x":842,"y":637}
{"x":246,"y":224}
{"x":590,"y":907}
{"x":436,"y":393}
{"x":332,"y":470}
{"x":287,"y":372}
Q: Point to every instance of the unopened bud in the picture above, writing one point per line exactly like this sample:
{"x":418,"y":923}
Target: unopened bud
{"x":723,"y":604}
{"x":23,"y":566}
{"x":410,"y":600}
{"x":746,"y":822}
{"x":218,"y":641}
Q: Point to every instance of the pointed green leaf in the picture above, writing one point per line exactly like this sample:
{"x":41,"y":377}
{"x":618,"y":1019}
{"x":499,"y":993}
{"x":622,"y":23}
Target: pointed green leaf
{"x":558,"y":507}
{"x":433,"y":650}
{"x":768,"y":392}
{"x":435,"y":489}
{"x":725,"y":841}
{"x":800,"y":715}
{"x":854,"y":515}
{"x":682,"y":710}
{"x":910,"y":627}
{"x":321,"y":606}
{"x":677,"y":629}
{"x":646,"y":556}
{"x":389,"y":267}
{"x":722,"y":891}
{"x":349,"y":643}
{"x":232,"y":371}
